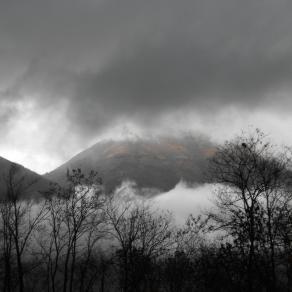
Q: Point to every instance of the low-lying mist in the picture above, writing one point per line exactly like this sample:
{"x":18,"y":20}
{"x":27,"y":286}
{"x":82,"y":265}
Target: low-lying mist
{"x":183,"y":200}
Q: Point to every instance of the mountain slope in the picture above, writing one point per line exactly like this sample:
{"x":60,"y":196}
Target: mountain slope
{"x":28,"y":182}
{"x":158,"y":164}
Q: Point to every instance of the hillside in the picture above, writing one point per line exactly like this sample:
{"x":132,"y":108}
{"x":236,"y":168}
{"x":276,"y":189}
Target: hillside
{"x":29,"y":183}
{"x":158,"y":164}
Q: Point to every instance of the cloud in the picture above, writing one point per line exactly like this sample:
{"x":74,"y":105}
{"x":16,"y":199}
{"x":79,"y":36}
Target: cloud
{"x":185,"y":200}
{"x":95,"y":65}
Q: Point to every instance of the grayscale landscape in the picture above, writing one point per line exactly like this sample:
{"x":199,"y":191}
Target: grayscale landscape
{"x":145,"y":146}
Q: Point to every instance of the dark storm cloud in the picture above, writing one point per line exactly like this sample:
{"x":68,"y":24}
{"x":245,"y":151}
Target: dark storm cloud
{"x":136,"y":59}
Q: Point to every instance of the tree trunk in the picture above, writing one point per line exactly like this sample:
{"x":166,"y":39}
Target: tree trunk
{"x":19,"y":269}
{"x":66,"y":270}
{"x":251,"y":254}
{"x":72,"y":270}
{"x":7,"y":260}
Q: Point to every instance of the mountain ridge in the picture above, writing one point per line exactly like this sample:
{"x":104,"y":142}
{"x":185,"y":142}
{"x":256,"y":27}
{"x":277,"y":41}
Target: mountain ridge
{"x":151,"y":163}
{"x":30,"y":182}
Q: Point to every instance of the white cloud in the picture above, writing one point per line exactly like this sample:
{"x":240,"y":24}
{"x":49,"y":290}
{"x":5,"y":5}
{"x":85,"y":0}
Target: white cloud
{"x":184,"y":200}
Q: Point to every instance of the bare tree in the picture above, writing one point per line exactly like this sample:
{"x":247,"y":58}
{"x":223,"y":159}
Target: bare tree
{"x":52,"y":239}
{"x":20,"y":218}
{"x":7,"y":245}
{"x":74,"y":226}
{"x":253,"y":180}
{"x":141,"y":235}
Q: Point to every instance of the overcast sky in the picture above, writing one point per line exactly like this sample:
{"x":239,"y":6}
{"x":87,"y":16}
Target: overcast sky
{"x":74,"y":72}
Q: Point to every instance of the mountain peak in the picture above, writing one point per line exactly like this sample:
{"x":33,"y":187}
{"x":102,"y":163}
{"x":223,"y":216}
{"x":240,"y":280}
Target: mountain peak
{"x":151,"y":163}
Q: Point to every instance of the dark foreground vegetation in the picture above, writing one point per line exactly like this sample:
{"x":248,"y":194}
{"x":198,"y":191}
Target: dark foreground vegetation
{"x":77,"y":239}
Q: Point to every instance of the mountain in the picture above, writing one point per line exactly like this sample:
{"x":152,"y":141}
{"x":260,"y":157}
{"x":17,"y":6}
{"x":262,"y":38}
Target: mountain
{"x":158,"y":164}
{"x":29,"y":183}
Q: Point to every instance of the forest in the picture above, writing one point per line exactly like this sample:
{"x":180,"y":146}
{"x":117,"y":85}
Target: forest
{"x":77,"y":238}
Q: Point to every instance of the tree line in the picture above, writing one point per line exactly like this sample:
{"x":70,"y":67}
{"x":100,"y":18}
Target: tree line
{"x":76,"y":238}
